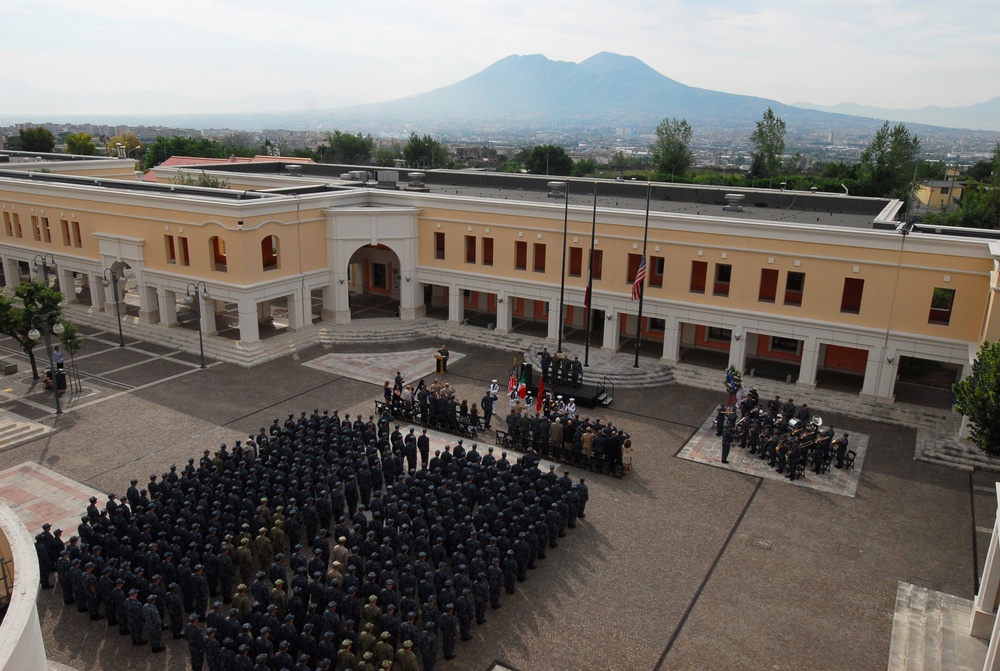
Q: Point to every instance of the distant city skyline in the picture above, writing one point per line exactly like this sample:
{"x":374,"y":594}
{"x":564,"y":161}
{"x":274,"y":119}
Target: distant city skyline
{"x":117,"y":56}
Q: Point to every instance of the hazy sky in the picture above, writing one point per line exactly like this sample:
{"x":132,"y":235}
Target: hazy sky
{"x":888,"y":53}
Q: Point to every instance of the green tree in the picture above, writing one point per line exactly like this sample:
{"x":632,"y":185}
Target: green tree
{"x":163,"y":148}
{"x":671,"y":152}
{"x":386,"y":155}
{"x":548,"y":159}
{"x":347,"y":148}
{"x":80,"y":144}
{"x":37,"y":139}
{"x":129,"y":142}
{"x":887,"y":163}
{"x":425,"y":152}
{"x":768,"y":140}
{"x":977,"y":396}
{"x":979,"y":206}
{"x":17,"y":314}
{"x":584,"y":167}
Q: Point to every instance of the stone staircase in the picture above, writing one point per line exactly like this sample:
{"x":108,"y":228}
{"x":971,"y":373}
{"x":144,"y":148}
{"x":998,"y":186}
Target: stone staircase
{"x":15,"y":431}
{"x":930,"y":632}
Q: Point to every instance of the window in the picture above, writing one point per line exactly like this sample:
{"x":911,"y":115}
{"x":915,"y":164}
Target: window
{"x":655,"y":267}
{"x":168,"y":243}
{"x":945,"y":190}
{"x":575,"y":261}
{"x":439,"y":246}
{"x":768,"y":285}
{"x":719,"y":334}
{"x":850,"y":301}
{"x":46,"y":231}
{"x":64,"y":225}
{"x":941,"y":303}
{"x":598,"y":267}
{"x":7,"y":225}
{"x":183,"y":257}
{"x":632,"y":267}
{"x":794,"y":284}
{"x":269,"y":252}
{"x":17,"y":225}
{"x":217,"y":249}
{"x":520,"y":255}
{"x":35,"y":230}
{"x":487,"y":251}
{"x":470,"y":249}
{"x":539,"y":257}
{"x":723,"y":273}
{"x":699,"y":273}
{"x":789,"y":345}
{"x":77,"y":237}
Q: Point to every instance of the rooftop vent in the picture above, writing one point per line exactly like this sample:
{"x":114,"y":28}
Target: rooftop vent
{"x":417,"y":182}
{"x":734,"y":202}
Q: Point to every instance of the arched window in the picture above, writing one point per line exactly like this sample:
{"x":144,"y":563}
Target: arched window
{"x":217,"y":251}
{"x":269,"y":252}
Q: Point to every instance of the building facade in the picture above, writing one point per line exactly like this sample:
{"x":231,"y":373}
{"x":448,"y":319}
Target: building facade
{"x":808,"y":281}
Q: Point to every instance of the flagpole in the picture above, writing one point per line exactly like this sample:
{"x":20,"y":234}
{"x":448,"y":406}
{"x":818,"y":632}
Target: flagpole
{"x":588,"y":297}
{"x":642,"y":285}
{"x":562,"y":277}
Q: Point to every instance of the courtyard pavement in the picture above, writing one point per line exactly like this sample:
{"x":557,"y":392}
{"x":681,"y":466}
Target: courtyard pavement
{"x":679,"y":565}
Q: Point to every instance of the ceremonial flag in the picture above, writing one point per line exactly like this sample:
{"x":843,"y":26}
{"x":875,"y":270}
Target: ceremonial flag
{"x":512,"y":379}
{"x":541,"y":394}
{"x":522,"y":386}
{"x":640,"y":275}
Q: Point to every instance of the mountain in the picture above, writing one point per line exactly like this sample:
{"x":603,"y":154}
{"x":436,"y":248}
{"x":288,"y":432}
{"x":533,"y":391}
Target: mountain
{"x":604,"y":88}
{"x":980,"y":116}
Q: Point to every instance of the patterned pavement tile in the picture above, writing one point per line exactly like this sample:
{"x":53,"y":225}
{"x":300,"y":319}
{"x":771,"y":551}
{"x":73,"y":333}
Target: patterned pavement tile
{"x":376,"y":368}
{"x":706,"y":448}
{"x":38,"y":495}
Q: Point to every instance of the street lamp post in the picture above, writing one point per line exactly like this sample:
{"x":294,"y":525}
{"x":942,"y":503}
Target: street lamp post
{"x":46,"y":261}
{"x":45,"y":321}
{"x":196,"y":300}
{"x":113,"y":280}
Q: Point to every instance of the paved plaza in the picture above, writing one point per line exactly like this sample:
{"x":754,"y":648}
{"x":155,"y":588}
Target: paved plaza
{"x":682,"y":564}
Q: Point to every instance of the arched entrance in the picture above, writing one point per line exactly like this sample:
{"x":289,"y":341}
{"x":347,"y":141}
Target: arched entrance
{"x":373,"y":280}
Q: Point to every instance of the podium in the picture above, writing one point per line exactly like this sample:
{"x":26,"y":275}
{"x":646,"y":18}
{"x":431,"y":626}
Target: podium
{"x":439,"y":364}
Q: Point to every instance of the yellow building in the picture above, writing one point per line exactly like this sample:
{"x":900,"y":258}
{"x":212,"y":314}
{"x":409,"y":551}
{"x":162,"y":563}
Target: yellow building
{"x":818,"y":282}
{"x":940,"y":194}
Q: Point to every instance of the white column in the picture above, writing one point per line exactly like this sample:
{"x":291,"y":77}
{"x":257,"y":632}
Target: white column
{"x":149,"y":309}
{"x":504,"y":313}
{"x":207,"y":311}
{"x":296,"y":311}
{"x":612,"y":331}
{"x":887,"y":377}
{"x":247,"y":311}
{"x":66,"y":285}
{"x":328,"y":299}
{"x":456,"y":305}
{"x":810,"y":361}
{"x":341,"y":299}
{"x":671,"y":341}
{"x":411,"y":298}
{"x":738,"y":349}
{"x":872,"y":368}
{"x":168,"y":306}
{"x":98,"y":293}
{"x":553,"y":321}
{"x":11,"y":272}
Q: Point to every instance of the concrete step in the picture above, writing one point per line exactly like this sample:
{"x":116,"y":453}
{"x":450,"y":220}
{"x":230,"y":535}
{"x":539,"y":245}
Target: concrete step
{"x":14,"y":433}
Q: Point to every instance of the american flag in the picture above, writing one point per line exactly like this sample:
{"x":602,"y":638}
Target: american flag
{"x":640,"y":275}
